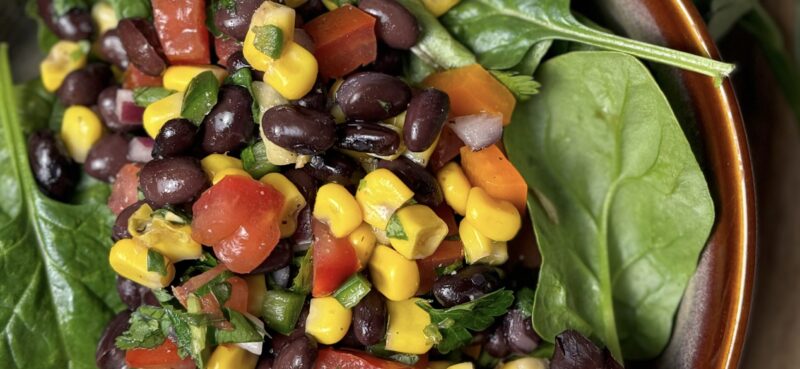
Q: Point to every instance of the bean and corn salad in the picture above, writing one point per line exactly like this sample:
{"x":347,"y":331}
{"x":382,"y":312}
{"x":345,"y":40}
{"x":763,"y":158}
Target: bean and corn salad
{"x":284,"y":198}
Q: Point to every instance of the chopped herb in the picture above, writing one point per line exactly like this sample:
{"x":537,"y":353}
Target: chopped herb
{"x":200,"y":98}
{"x":352,"y":290}
{"x":302,"y":282}
{"x":244,"y":330}
{"x":155,"y":262}
{"x":449,"y":269}
{"x":522,"y":86}
{"x":209,"y":286}
{"x":145,"y":329}
{"x":525,"y":300}
{"x":162,"y":295}
{"x":269,"y":40}
{"x":144,"y":96}
{"x":361,"y":184}
{"x":395,"y":229}
{"x":380,"y":350}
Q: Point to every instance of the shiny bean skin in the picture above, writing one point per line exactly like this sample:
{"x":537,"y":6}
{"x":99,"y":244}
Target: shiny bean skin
{"x":302,"y":130}
{"x":75,"y":25}
{"x":120,"y":228}
{"x":466,"y":285}
{"x":497,"y":345}
{"x":106,"y":157}
{"x":234,"y":22}
{"x":519,"y":333}
{"x":107,"y":355}
{"x":310,"y":10}
{"x":54,"y":171}
{"x":237,"y":61}
{"x":305,"y":183}
{"x":369,"y":319}
{"x":372,"y":96}
{"x":176,"y":137}
{"x":107,"y":107}
{"x":279,"y":258}
{"x":367,"y":137}
{"x":396,"y":26}
{"x":425,"y":186}
{"x":265,"y":361}
{"x":388,"y":61}
{"x":425,"y":118}
{"x":336,"y":167}
{"x":229,"y":125}
{"x":140,"y":40}
{"x":175,"y":180}
{"x":134,"y":294}
{"x":110,"y":48}
{"x":83,"y":86}
{"x":299,"y":353}
{"x":304,"y":234}
{"x":316,"y":99}
{"x":282,"y":277}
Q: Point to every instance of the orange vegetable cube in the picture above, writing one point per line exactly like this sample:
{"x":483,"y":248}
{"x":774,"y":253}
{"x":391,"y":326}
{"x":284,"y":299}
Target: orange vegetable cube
{"x":490,"y":170}
{"x":473,"y":90}
{"x":344,"y":39}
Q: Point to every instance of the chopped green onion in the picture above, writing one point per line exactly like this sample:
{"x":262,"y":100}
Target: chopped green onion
{"x":254,"y":160}
{"x":352,"y":290}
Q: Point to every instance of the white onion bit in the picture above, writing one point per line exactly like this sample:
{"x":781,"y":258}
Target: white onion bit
{"x":479,"y":130}
{"x":140,"y":149}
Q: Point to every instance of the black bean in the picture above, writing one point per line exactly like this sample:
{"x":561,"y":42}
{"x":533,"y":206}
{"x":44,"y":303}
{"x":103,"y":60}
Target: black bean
{"x":425,"y":186}
{"x":369,"y":319}
{"x":497,"y":345}
{"x":54,"y":171}
{"x":425,"y":118}
{"x":140,"y":40}
{"x":466,"y":285}
{"x":316,"y":99}
{"x":83,"y":86}
{"x":372,"y":96}
{"x":175,"y":180}
{"x":110,"y":48}
{"x":235,"y":20}
{"x":299,"y":353}
{"x":265,"y":361}
{"x":279,"y":258}
{"x":349,"y":340}
{"x":305,"y":183}
{"x":107,"y":355}
{"x":120,"y":229}
{"x":134,"y":294}
{"x":389,"y":61}
{"x":518,"y":329}
{"x":302,"y":130}
{"x":396,"y":26}
{"x":176,"y":137}
{"x":336,"y":167}
{"x":74,"y":25}
{"x":311,"y":9}
{"x":237,"y":61}
{"x":304,"y":234}
{"x":106,"y":157}
{"x":574,"y":351}
{"x":367,"y":137}
{"x":229,"y":125}
{"x":107,"y":107}
{"x":282,"y":277}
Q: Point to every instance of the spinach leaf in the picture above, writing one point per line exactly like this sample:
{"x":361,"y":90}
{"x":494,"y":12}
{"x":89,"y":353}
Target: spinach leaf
{"x":200,"y":98}
{"x":436,"y":47}
{"x":61,"y":7}
{"x":620,"y":207}
{"x":57,"y":288}
{"x":131,"y":8}
{"x":144,"y":96}
{"x":45,"y":37}
{"x":502,"y":32}
{"x":725,"y":14}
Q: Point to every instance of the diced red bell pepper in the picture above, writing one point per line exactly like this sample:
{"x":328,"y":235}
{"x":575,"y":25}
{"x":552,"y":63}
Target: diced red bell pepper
{"x":181,"y":27}
{"x":446,"y":150}
{"x":125,"y":190}
{"x":447,"y":253}
{"x":134,"y":78}
{"x":164,"y":356}
{"x":334,"y":260}
{"x":330,"y":358}
{"x":344,"y":39}
{"x":224,"y":47}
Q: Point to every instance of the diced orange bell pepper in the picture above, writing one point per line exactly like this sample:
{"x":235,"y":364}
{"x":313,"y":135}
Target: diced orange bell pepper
{"x":344,"y":39}
{"x":473,"y":90}
{"x":490,"y":170}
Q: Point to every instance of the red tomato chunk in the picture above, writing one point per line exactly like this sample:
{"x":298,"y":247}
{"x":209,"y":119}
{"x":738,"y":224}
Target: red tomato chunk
{"x":164,"y":356}
{"x":344,"y":39}
{"x":334,"y":260}
{"x":181,"y":27}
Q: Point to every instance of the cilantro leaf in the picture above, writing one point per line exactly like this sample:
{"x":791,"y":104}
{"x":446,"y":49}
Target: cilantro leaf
{"x":145,"y":329}
{"x":269,"y":40}
{"x":449,"y":269}
{"x":525,"y":301}
{"x":522,"y":86}
{"x":155,"y":262}
{"x":395,"y":229}
{"x":243,"y":330}
{"x":302,"y":282}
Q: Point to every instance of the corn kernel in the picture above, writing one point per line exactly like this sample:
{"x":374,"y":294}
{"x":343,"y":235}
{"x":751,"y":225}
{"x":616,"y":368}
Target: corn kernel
{"x":380,"y":194}
{"x":497,"y":219}
{"x":405,"y":331}
{"x":439,"y":7}
{"x":231,"y":357}
{"x":104,"y":17}
{"x":293,"y":74}
{"x":215,"y":163}
{"x":168,"y":234}
{"x":218,"y":176}
{"x":464,"y":365}
{"x":363,"y":241}
{"x":256,"y":293}
{"x":269,"y":13}
{"x":416,"y":232}
{"x":336,"y":207}
{"x":267,"y":97}
{"x":393,"y":275}
{"x":160,"y":112}
{"x":63,"y":58}
{"x":80,"y":129}
{"x":439,"y":364}
{"x":293,"y":201}
{"x":278,"y":155}
{"x":455,"y":187}
{"x":328,"y":321}
{"x":421,"y":157}
{"x":128,"y":258}
{"x":178,"y":77}
{"x":526,"y":363}
{"x":479,"y":249}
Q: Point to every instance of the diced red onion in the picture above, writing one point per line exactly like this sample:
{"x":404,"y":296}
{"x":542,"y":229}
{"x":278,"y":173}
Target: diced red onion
{"x":302,"y":38}
{"x":127,"y":111}
{"x":140,"y":149}
{"x":479,"y":130}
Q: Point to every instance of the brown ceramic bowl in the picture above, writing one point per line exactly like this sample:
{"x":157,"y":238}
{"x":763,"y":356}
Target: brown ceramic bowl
{"x":711,"y":322}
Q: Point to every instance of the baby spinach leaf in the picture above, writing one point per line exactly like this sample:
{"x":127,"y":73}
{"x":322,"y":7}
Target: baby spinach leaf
{"x":436,"y":47}
{"x":45,"y":37}
{"x":619,"y":204}
{"x":502,"y":32}
{"x":144,"y":96}
{"x":200,"y":98}
{"x":57,"y":288}
{"x":725,"y":14}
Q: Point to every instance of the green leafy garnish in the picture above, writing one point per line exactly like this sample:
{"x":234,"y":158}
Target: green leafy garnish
{"x":61,"y":7}
{"x":450,"y":328}
{"x":144,"y":96}
{"x":210,"y":285}
{"x":449,"y":269}
{"x":302,"y":281}
{"x":200,"y":98}
{"x":269,"y":40}
{"x":524,"y":300}
{"x":45,"y":37}
{"x":395,"y":229}
{"x":522,"y":86}
{"x":436,"y":47}
{"x":243,"y":330}
{"x":380,"y":350}
{"x":155,"y":262}
{"x":145,"y":329}
{"x":131,"y":8}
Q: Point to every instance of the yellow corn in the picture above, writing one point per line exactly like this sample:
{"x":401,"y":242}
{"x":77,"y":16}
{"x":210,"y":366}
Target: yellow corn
{"x":393,"y":275}
{"x":416,"y":231}
{"x":380,"y":194}
{"x":104,"y":17}
{"x":421,"y":157}
{"x":160,"y":112}
{"x":479,"y":249}
{"x":178,"y":77}
{"x":405,"y":331}
{"x":526,"y":363}
{"x":63,"y":58}
{"x":439,"y":7}
{"x":363,"y":241}
{"x":218,"y":176}
{"x":256,"y":292}
{"x":455,"y":187}
{"x":336,"y":207}
{"x":278,"y":155}
{"x":328,"y":321}
{"x":439,"y":364}
{"x":497,"y":219}
{"x":215,"y":163}
{"x":293,"y":74}
{"x":267,"y":97}
{"x":80,"y":129}
{"x":268,"y":14}
{"x":464,"y":365}
{"x":170,"y":235}
{"x":231,"y":357}
{"x":293,"y":201}
{"x":129,"y":259}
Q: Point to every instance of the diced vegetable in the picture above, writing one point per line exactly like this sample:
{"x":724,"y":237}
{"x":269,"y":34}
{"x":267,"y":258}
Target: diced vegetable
{"x":164,"y":356}
{"x":224,"y":47}
{"x":490,"y":170}
{"x":256,"y":293}
{"x":254,"y":160}
{"x":329,"y":358}
{"x":334,"y":260}
{"x":63,"y":58}
{"x":415,"y":231}
{"x":160,"y":112}
{"x":134,"y":78}
{"x":473,"y":90}
{"x":134,"y":261}
{"x":231,"y":357}
{"x":394,"y":276}
{"x":337,"y":208}
{"x":407,"y":323}
{"x":352,"y":290}
{"x":293,"y":201}
{"x":178,"y":77}
{"x":497,"y":219}
{"x":447,"y":253}
{"x":479,"y":130}
{"x":238,"y":299}
{"x":181,"y":27}
{"x":281,"y":310}
{"x":124,"y":191}
{"x":328,"y":321}
{"x":380,"y":194}
{"x":344,"y":39}
{"x":363,"y":241}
